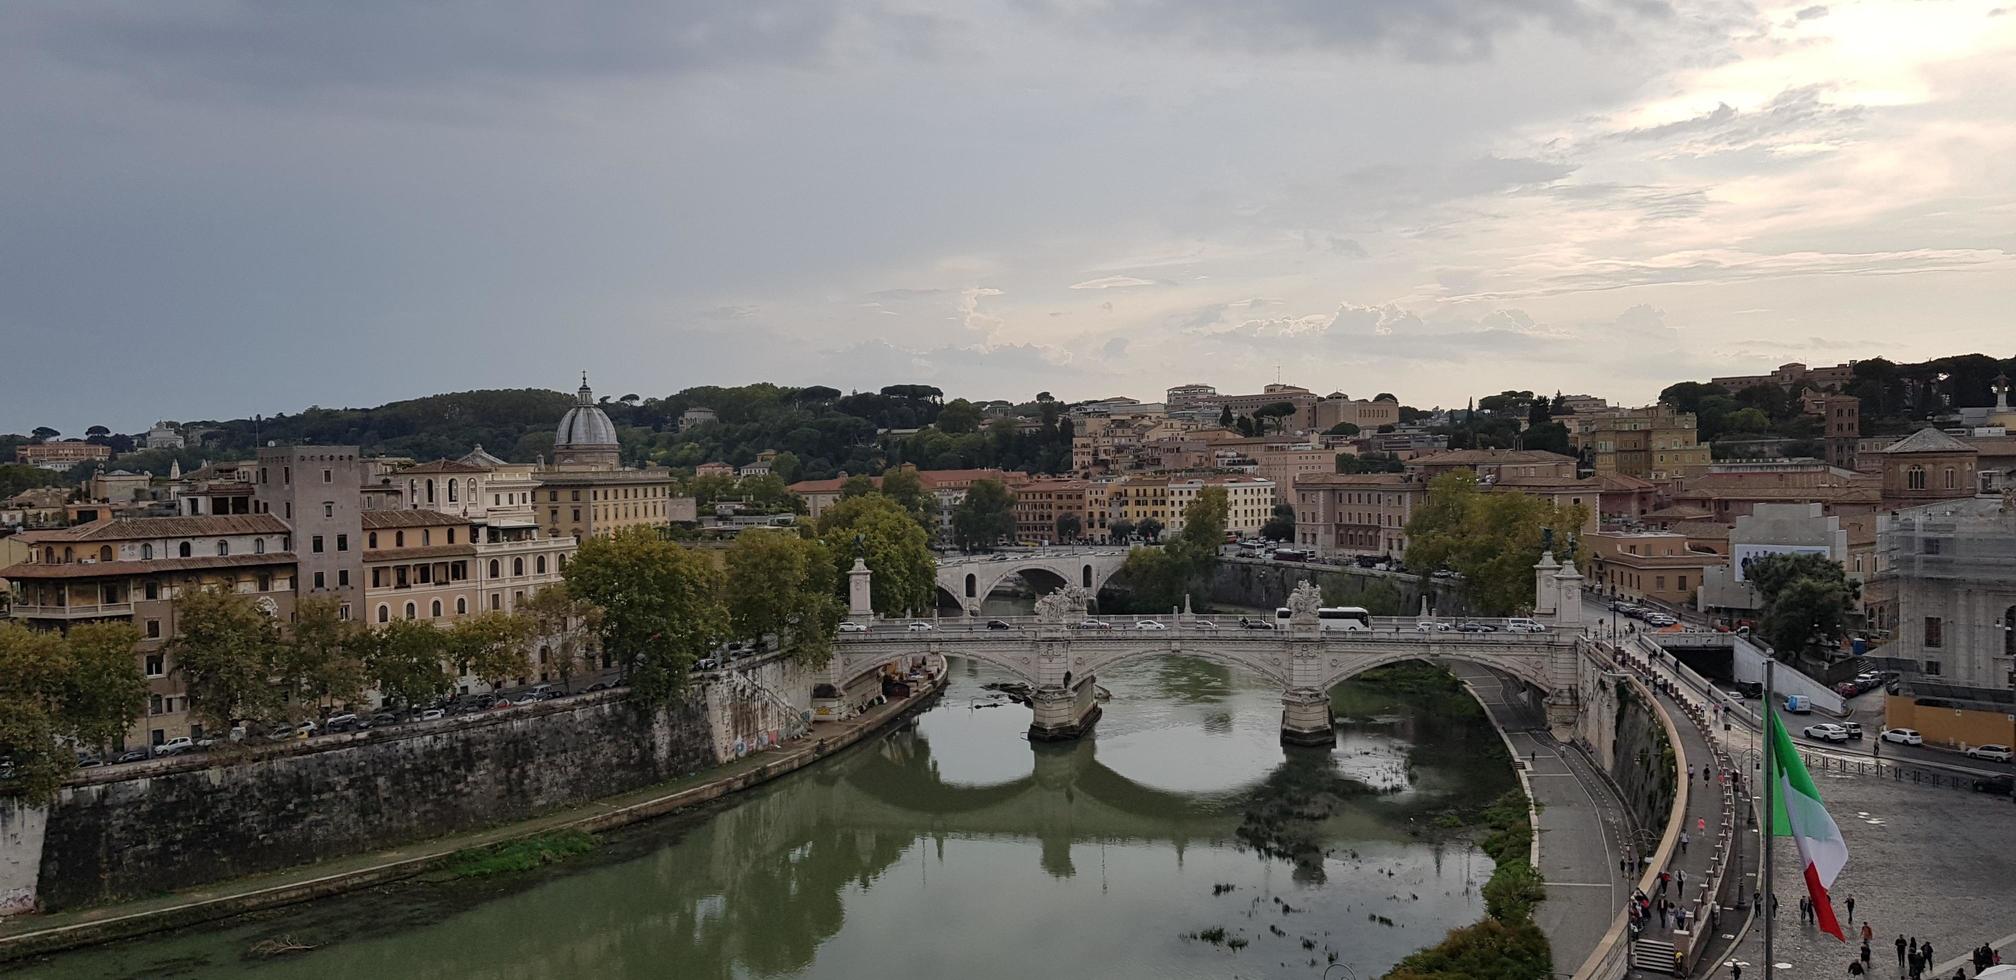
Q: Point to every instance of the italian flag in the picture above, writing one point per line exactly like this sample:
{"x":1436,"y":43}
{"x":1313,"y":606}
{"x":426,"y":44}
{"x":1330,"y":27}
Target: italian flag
{"x":1798,"y":814}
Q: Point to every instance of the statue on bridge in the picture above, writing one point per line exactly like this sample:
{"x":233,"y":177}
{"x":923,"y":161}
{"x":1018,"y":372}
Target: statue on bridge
{"x":1063,"y":606}
{"x":1304,"y":602}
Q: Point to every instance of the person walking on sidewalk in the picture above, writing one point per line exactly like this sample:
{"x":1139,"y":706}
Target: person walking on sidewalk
{"x":1683,"y":843}
{"x":1851,"y":908}
{"x":1900,"y":952}
{"x":1868,"y":934}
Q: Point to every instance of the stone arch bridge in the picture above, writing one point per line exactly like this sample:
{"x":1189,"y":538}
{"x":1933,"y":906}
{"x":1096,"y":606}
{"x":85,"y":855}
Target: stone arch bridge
{"x":968,"y":580}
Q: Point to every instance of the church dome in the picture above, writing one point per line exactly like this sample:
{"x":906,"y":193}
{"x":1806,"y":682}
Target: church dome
{"x":585,"y":434}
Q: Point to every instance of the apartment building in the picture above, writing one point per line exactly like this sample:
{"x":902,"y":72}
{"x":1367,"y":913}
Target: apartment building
{"x":1356,"y":513}
{"x":1659,"y":565}
{"x":314,"y":491}
{"x":1368,"y":416}
{"x":61,"y":455}
{"x":1249,"y":501}
{"x":1040,"y":503}
{"x":1652,"y":443}
{"x":1791,"y":374}
{"x":1492,"y":464}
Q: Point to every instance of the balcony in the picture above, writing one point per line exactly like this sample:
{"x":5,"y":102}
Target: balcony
{"x":88,"y":611}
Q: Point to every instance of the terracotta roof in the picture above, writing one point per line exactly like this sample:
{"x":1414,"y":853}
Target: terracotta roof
{"x":1621,"y":481}
{"x":377,"y":519}
{"x":102,"y":569}
{"x":482,"y":457}
{"x":826,"y":486}
{"x":1927,"y":440}
{"x":1544,"y":483}
{"x":445,"y":466}
{"x":1993,"y":445}
{"x":1678,"y":513}
{"x":1829,"y":493}
{"x":137,"y":528}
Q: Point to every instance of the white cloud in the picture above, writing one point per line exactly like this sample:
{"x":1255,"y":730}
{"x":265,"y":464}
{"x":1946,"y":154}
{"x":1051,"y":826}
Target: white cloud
{"x":1112,"y":282}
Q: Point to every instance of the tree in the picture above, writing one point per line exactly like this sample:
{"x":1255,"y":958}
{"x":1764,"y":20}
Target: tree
{"x":104,"y":690}
{"x":1276,"y":411}
{"x":33,"y":669}
{"x":97,"y":430}
{"x":985,"y":516}
{"x":1244,"y":425}
{"x":1150,"y":529}
{"x":786,"y":466}
{"x":408,"y":662}
{"x":1370,"y":463}
{"x":1548,"y":436}
{"x":1342,"y":429}
{"x":1160,"y":578}
{"x":1486,"y":950}
{"x":1746,"y":420}
{"x":1807,"y":601}
{"x":225,"y":649}
{"x":1281,"y":526}
{"x":959,"y":416}
{"x":43,"y":433}
{"x":564,"y":623}
{"x":322,"y":660}
{"x":768,"y":493}
{"x":856,"y":486}
{"x":1120,"y":530}
{"x":1069,"y":527}
{"x":661,"y":606}
{"x":1492,"y":538}
{"x":1225,"y":416}
{"x":904,"y":486}
{"x":783,"y":585}
{"x":889,"y":539}
{"x":491,"y":646}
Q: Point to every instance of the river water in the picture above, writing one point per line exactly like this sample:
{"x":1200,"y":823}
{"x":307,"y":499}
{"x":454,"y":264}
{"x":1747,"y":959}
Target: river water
{"x":954,"y":848}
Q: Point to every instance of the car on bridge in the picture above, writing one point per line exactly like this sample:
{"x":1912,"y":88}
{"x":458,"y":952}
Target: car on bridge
{"x":1826,"y":732}
{"x":851,"y":627}
{"x":1904,"y":736}
{"x":998,"y":624}
{"x":1094,"y":624}
{"x":1524,"y":626}
{"x":1201,"y":624}
{"x":1991,"y":753}
{"x":1148,"y":624}
{"x":920,"y":626}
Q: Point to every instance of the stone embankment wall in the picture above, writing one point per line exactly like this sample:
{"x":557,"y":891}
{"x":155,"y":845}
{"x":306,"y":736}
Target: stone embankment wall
{"x":1267,"y":584}
{"x":128,"y":831}
{"x":1628,"y":741}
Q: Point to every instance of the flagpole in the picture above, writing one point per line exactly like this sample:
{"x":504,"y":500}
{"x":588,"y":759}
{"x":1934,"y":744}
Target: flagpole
{"x":1770,"y":788}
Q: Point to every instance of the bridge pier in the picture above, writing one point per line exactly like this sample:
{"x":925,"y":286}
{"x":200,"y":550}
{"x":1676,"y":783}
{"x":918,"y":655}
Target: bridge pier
{"x":1063,"y":713}
{"x":1305,"y":718}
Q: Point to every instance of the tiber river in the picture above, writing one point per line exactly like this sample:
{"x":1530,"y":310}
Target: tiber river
{"x":1182,"y":840}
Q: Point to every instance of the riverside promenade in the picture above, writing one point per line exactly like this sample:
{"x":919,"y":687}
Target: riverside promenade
{"x":32,"y":934}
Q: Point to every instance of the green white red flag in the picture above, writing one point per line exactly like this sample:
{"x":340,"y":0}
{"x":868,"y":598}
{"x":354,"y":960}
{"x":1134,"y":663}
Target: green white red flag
{"x":1797,"y":813}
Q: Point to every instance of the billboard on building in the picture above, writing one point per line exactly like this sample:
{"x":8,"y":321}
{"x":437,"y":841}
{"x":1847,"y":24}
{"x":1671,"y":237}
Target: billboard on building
{"x":1744,"y":554}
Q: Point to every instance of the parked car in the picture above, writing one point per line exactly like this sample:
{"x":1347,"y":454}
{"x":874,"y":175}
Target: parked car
{"x":383,"y":718}
{"x":1854,"y":729}
{"x":86,"y":760}
{"x":1148,"y":624}
{"x":529,"y":697}
{"x":996,"y":624}
{"x":1998,"y":785}
{"x":1798,"y":704}
{"x":597,"y":686}
{"x":1476,"y":628}
{"x":920,"y":626}
{"x":1992,"y":753}
{"x":1847,"y":689}
{"x":174,"y":746}
{"x":1095,"y":624}
{"x":134,"y":755}
{"x":1826,"y":732}
{"x":1255,"y":624}
{"x":1524,"y":626}
{"x":707,"y":663}
{"x":852,"y":627}
{"x":337,"y":723}
{"x":432,"y":714}
{"x":1904,"y":736}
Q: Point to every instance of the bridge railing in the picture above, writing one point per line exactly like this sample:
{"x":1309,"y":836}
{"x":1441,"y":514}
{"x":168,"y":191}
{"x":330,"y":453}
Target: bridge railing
{"x":1250,"y":626}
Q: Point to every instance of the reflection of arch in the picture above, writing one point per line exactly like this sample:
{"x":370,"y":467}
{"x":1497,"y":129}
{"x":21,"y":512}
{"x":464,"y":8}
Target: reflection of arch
{"x":1267,"y":660}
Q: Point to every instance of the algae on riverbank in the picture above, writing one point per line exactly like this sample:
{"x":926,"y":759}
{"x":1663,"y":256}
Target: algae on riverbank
{"x":521,"y":855}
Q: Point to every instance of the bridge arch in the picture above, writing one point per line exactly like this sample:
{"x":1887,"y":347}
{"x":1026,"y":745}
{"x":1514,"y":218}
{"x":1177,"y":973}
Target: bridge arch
{"x":1523,"y":664}
{"x":968,"y":582}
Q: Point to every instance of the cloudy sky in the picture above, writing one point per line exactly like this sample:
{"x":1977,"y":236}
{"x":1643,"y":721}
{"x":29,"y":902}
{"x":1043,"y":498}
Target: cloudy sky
{"x":213,"y":208}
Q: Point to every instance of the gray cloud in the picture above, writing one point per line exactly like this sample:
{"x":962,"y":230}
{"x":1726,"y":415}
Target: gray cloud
{"x":1794,"y":115}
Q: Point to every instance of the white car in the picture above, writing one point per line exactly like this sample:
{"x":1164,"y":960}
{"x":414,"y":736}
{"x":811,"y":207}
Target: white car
{"x":433,"y":714}
{"x":1904,"y":736}
{"x":853,"y":628}
{"x":1992,"y":753}
{"x":1095,"y":624}
{"x":177,"y":746}
{"x":1148,"y":624}
{"x":1202,"y":624}
{"x":1524,"y":626}
{"x":1827,"y":733}
{"x":920,"y":627}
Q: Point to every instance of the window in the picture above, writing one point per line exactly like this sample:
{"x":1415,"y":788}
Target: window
{"x":315,"y":544}
{"x":372,"y":541}
{"x":328,"y":509}
{"x":426,"y":535}
{"x":384,"y":613}
{"x":377,"y":578}
{"x":577,"y":515}
{"x":434,"y":611}
{"x":1935,"y":632}
{"x":430,"y":491}
{"x":154,"y":706}
{"x":539,"y":564}
{"x":153,"y":629}
{"x":146,"y":552}
{"x":412,"y":611}
{"x":152,"y":590}
{"x":1914,"y":478}
{"x":1931,"y":668}
{"x":104,"y":552}
{"x":343,"y":612}
{"x":182,"y":550}
{"x":577,"y":496}
{"x":258,"y":546}
{"x":287,"y":510}
{"x":223,"y":548}
{"x":287,"y":476}
{"x":461,"y":605}
{"x":496,"y":568}
{"x":1932,"y":546}
{"x":1952,"y":480}
{"x":328,"y":476}
{"x":398,"y":539}
{"x":342,"y":578}
{"x":318,"y":580}
{"x":156,"y":665}
{"x":451,"y":491}
{"x":342,"y":542}
{"x":517,"y":566}
{"x":1682,"y":583}
{"x":451,"y":535}
{"x":496,"y":601}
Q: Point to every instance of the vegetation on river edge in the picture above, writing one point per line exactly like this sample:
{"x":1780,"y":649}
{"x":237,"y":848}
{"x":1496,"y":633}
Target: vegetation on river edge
{"x":1506,"y":945}
{"x":521,"y":855}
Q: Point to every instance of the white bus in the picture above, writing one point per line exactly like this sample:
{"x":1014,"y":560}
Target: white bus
{"x":1332,"y":618}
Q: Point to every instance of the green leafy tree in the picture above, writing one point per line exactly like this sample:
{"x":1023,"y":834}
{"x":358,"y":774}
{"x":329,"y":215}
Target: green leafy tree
{"x":1492,"y":538}
{"x":769,"y":494}
{"x":1548,"y":436}
{"x":564,"y":625}
{"x":985,"y":516}
{"x":1487,"y":950}
{"x":103,"y":690}
{"x":783,"y":585}
{"x":1274,"y":412}
{"x":1370,"y":463}
{"x":322,"y":659}
{"x":661,"y":606}
{"x":894,"y":545}
{"x":1280,"y":526}
{"x":492,"y":646}
{"x":904,"y":486}
{"x":1070,"y":527}
{"x":959,"y":416}
{"x":856,"y":486}
{"x":706,"y":490}
{"x":408,"y":662}
{"x":33,"y":676}
{"x":1807,"y":601}
{"x":1150,"y":529}
{"x":786,"y":466}
{"x":1342,"y":429}
{"x":1161,"y":577}
{"x":225,"y":649}
{"x":1121,"y":530}
{"x":45,"y":433}
{"x":1224,"y":416}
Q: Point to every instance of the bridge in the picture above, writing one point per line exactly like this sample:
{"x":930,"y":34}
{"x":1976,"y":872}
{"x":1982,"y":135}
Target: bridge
{"x":1059,"y":652}
{"x":969,"y":579}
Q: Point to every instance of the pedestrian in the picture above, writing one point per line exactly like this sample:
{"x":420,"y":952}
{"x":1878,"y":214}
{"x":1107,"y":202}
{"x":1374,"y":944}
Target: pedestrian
{"x":1774,"y":905}
{"x":1868,"y":934}
{"x":1865,"y":954}
{"x":1735,"y":971}
{"x":1701,"y":824}
{"x":1706,"y":777}
{"x":1925,"y":950}
{"x":1690,"y":772}
{"x":1855,"y":968}
{"x":1900,"y":952}
{"x":1851,"y":908}
{"x":1683,"y":842}
{"x":1802,"y":908}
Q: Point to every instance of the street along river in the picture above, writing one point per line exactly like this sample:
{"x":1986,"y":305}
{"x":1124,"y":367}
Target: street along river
{"x":1181,"y":840}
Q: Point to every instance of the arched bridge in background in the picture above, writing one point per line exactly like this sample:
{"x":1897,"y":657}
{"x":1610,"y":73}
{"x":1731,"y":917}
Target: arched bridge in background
{"x":968,"y":580}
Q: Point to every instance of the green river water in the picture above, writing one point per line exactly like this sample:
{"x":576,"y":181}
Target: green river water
{"x":954,"y":848}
